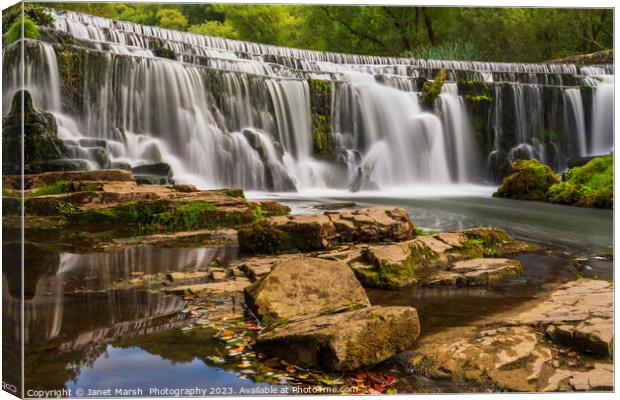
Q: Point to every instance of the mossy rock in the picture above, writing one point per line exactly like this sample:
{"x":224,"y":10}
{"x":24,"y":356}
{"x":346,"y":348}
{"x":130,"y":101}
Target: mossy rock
{"x":591,"y":185}
{"x":41,"y":142}
{"x":320,"y":108}
{"x":164,"y":52}
{"x":156,"y":215}
{"x":530,"y":180}
{"x":431,"y":90}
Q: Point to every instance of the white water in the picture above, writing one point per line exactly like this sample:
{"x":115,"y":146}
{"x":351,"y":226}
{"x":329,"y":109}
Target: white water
{"x":603,"y":117}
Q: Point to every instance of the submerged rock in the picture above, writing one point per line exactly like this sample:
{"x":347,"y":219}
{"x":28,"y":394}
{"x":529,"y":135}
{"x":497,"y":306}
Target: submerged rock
{"x":530,"y":180}
{"x":344,"y":341}
{"x":315,"y":232}
{"x":305,"y":285}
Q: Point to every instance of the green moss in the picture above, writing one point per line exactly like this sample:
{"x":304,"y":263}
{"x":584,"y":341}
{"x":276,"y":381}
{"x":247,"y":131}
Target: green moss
{"x":530,"y":180}
{"x":263,"y":238}
{"x":320,"y":108}
{"x":431,"y":90}
{"x":54,"y":188}
{"x":161,"y":215}
{"x":590,"y":185}
{"x":15,"y":31}
{"x":40,"y":16}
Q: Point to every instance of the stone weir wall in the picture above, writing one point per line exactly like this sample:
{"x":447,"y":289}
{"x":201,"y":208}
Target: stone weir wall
{"x":262,"y":118}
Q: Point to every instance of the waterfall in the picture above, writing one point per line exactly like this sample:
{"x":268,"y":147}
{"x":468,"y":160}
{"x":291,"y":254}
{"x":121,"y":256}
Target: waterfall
{"x":577,"y":122}
{"x":460,"y":147}
{"x":603,"y":116}
{"x":229,"y":113}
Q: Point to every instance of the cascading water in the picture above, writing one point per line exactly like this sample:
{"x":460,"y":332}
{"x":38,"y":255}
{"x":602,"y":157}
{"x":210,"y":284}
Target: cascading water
{"x":602,"y":117}
{"x":231,"y":113}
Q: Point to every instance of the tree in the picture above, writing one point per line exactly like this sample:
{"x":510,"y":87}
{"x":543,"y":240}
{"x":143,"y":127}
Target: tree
{"x":215,"y":28}
{"x":171,"y":19}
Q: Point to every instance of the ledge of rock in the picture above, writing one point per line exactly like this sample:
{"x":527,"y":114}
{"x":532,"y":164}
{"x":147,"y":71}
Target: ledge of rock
{"x":318,"y":232}
{"x":113,"y":197}
{"x":530,"y":350}
{"x":444,"y":258}
{"x":344,"y":341}
{"x":305,"y":285}
{"x":579,"y":314}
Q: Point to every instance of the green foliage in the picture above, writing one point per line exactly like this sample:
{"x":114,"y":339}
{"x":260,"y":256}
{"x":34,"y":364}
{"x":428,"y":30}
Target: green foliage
{"x":431,"y":90}
{"x":15,"y":31}
{"x":469,"y":33}
{"x":215,"y":28}
{"x":530,"y":180}
{"x":14,"y":13}
{"x":591,"y":185}
{"x":54,"y":188}
{"x":171,"y":19}
{"x":445,"y":51}
{"x":146,"y":17}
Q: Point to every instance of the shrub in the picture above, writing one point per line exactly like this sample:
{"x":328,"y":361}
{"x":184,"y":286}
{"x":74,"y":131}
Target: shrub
{"x":15,"y":31}
{"x":464,"y":51}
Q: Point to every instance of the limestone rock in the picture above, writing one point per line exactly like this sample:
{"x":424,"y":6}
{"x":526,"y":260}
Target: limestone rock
{"x":305,"y":285}
{"x":225,"y":287}
{"x":344,"y":341}
{"x":319,"y":232}
{"x":477,"y":271}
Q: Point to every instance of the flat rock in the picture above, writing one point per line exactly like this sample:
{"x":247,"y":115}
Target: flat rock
{"x":325,"y":231}
{"x":177,"y":277}
{"x":305,"y":285}
{"x":344,"y":341}
{"x":514,"y":358}
{"x":230,"y":286}
{"x":579,"y":313}
{"x":476,"y":271}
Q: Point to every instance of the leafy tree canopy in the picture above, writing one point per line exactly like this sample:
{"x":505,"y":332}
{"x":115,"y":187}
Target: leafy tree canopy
{"x":490,"y":34}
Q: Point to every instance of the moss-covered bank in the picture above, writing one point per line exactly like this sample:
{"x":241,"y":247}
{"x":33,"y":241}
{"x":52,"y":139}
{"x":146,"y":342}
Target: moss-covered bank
{"x":590,"y":185}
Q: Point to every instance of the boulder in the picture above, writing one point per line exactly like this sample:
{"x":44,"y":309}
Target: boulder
{"x":93,"y":142}
{"x":158,"y":169}
{"x":318,"y":232}
{"x":302,"y":286}
{"x":530,"y":180}
{"x":344,"y":341}
{"x":41,"y":142}
{"x":120,"y":165}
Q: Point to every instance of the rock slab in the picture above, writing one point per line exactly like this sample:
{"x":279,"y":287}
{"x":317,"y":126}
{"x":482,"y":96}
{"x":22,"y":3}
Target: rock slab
{"x":305,"y":285}
{"x":344,"y":341}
